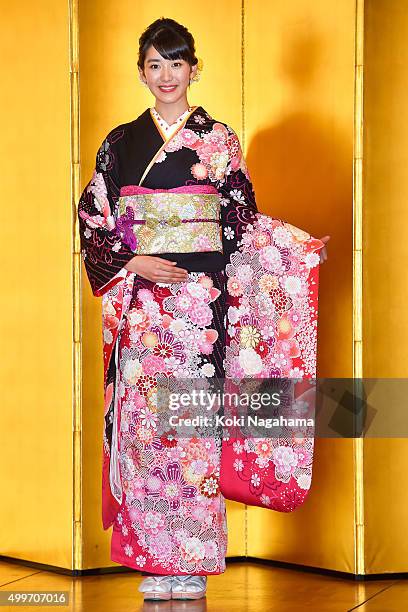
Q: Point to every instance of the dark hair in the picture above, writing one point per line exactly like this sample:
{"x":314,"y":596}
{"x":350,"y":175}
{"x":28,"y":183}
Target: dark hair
{"x":171,"y":39}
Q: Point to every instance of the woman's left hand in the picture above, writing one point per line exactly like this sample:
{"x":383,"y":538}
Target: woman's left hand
{"x":323,"y":252}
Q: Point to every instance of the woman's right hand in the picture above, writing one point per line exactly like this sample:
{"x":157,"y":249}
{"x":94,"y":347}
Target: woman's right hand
{"x":156,"y":269}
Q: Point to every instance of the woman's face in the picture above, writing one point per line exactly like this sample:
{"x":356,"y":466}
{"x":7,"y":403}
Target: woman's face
{"x":167,"y":79}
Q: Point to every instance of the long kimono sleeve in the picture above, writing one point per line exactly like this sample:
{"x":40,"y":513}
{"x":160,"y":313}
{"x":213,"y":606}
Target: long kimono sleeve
{"x":271,"y":301}
{"x":104,"y":253}
{"x":238,"y":203}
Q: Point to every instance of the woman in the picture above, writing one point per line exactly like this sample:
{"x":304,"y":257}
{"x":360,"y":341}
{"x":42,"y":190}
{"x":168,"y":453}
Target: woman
{"x":153,"y":248}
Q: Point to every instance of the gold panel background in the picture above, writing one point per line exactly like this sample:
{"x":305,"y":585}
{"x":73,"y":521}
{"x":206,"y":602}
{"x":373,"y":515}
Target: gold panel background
{"x":385,"y":321}
{"x":36,"y":323}
{"x":283,"y":76}
{"x":298,"y":109}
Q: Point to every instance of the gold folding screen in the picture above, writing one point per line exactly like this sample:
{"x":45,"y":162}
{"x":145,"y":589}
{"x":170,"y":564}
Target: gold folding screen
{"x":36,"y":324}
{"x":290,"y":78}
{"x":385,"y":256}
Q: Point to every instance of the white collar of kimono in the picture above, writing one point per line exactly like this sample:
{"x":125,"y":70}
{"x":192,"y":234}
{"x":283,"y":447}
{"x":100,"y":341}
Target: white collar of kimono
{"x":167,"y":129}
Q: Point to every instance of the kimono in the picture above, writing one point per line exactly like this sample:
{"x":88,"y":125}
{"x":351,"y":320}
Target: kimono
{"x":189,"y":199}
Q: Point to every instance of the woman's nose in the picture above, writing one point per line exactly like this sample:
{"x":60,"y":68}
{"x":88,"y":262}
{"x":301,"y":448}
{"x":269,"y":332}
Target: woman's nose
{"x":167,"y":73}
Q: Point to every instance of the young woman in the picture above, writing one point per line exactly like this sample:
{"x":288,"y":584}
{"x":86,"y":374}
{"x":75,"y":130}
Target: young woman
{"x":169,"y":206}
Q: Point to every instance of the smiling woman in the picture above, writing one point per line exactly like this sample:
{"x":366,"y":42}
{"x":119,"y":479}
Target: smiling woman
{"x":196,"y":283}
{"x":167,"y":65}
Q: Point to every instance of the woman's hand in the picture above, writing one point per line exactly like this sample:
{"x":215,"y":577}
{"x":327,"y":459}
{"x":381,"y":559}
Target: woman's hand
{"x":323,"y":252}
{"x":156,"y":269}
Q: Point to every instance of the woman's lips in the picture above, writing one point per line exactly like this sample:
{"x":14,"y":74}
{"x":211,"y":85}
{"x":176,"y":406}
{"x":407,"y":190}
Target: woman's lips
{"x":167,"y":88}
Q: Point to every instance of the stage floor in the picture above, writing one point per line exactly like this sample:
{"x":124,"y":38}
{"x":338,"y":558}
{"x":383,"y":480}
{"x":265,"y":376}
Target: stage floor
{"x":248,"y":587}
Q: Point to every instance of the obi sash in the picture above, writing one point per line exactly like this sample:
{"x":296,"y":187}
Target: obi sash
{"x":179,"y":220}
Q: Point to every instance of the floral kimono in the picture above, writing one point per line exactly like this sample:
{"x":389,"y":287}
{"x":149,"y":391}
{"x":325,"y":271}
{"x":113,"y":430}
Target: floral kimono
{"x":189,"y":199}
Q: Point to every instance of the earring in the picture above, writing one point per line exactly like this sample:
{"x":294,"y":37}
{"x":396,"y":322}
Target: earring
{"x":143,"y":83}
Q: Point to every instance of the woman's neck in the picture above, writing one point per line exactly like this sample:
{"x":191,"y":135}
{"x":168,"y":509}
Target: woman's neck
{"x":171,"y":112}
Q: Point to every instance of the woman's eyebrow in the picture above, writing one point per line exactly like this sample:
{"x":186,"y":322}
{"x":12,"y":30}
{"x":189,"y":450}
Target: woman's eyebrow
{"x":153,"y":60}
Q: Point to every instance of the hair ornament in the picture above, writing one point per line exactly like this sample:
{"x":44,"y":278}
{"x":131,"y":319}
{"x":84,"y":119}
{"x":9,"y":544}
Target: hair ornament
{"x":197,"y":76}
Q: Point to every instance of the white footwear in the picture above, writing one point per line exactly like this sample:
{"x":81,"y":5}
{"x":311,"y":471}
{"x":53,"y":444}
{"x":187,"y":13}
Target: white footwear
{"x":188,"y":587}
{"x":156,"y":587}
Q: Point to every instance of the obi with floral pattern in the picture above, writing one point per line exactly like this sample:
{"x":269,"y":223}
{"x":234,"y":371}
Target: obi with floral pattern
{"x":180,"y":220}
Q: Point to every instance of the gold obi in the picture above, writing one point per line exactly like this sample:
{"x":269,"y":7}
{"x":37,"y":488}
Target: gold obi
{"x":170,"y":221}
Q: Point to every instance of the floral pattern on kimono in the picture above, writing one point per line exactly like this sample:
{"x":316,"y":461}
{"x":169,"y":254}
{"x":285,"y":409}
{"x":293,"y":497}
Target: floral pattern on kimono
{"x":161,"y":494}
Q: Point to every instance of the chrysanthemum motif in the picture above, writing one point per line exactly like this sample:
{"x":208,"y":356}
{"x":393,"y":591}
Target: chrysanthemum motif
{"x":267,"y":282}
{"x":271,"y":259}
{"x":304,"y":481}
{"x":311,"y":260}
{"x":199,"y":171}
{"x":148,"y":418}
{"x":234,"y":287}
{"x":285,"y":459}
{"x":249,"y":336}
{"x":292,"y":284}
{"x":153,"y":521}
{"x":208,"y":369}
{"x":281,"y":236}
{"x":210,"y":486}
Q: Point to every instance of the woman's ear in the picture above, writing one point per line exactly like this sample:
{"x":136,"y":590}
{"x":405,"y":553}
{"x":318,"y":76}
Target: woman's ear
{"x":193,"y":71}
{"x":141,"y":75}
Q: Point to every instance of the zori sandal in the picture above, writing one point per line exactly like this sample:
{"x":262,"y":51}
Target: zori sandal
{"x":189,"y":587}
{"x":156,"y":587}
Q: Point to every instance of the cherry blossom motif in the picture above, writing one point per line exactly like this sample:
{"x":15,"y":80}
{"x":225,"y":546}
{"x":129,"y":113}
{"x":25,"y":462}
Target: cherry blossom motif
{"x":238,"y":465}
{"x":229,"y":233}
{"x":170,"y":485}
